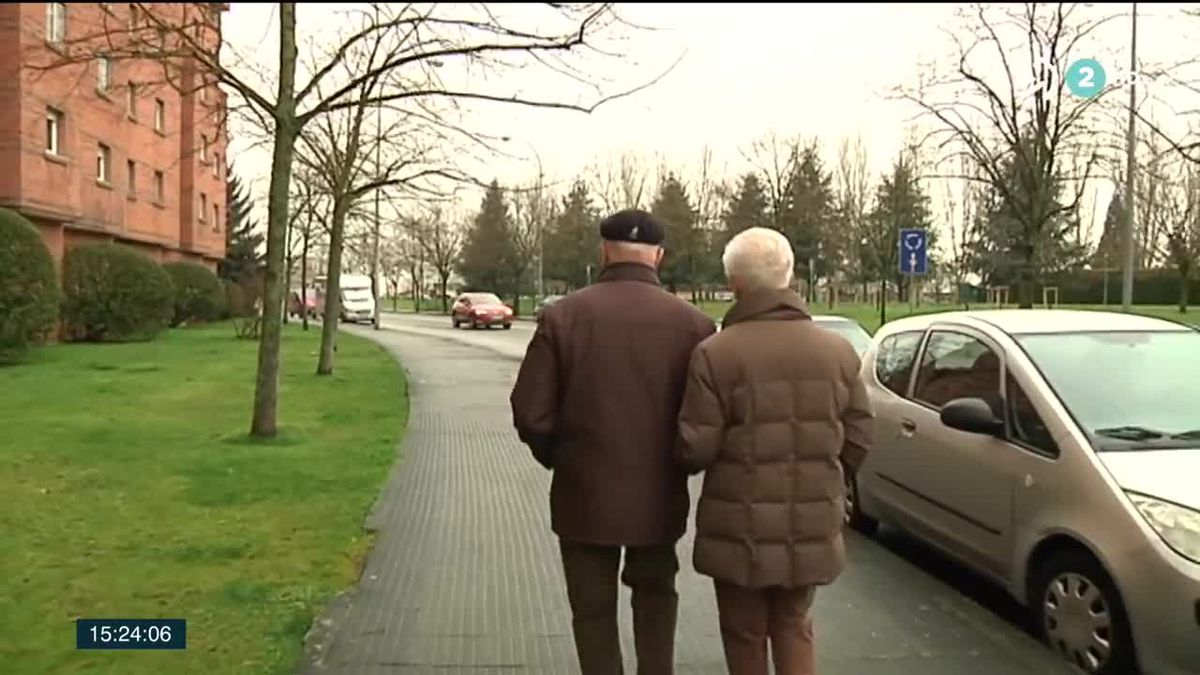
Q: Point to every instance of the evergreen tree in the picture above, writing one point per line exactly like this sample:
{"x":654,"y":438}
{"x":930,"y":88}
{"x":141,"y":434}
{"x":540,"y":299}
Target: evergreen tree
{"x":242,"y":243}
{"x":573,"y":240}
{"x":684,"y":245}
{"x":812,"y":207}
{"x":900,"y":204}
{"x":1109,"y":251}
{"x":488,"y":248}
{"x":748,"y":208}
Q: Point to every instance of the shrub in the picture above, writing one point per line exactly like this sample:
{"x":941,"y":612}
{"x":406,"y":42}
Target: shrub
{"x":29,"y":292}
{"x":115,"y":294}
{"x":198,"y":292}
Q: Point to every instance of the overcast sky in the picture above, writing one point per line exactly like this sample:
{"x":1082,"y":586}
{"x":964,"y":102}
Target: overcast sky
{"x":747,"y":70}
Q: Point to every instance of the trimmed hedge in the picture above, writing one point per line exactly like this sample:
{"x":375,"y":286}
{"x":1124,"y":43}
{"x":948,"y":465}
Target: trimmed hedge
{"x":1150,"y":287}
{"x":114,"y":293}
{"x":29,"y":293}
{"x":198,"y":292}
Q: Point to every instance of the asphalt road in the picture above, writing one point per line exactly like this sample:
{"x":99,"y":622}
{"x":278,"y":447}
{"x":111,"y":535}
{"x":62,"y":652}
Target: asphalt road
{"x":465,"y":577}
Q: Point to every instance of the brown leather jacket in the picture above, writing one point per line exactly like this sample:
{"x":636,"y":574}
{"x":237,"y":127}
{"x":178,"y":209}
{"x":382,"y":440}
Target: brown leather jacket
{"x":597,"y":399}
{"x":773,"y":407}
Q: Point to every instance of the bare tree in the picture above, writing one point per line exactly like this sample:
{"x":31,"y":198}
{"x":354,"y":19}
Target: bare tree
{"x":533,"y":209}
{"x":852,"y":186}
{"x":776,"y":161}
{"x":411,"y":40}
{"x":441,"y":239}
{"x":621,"y":183}
{"x":1020,"y":137}
{"x":1179,"y":219}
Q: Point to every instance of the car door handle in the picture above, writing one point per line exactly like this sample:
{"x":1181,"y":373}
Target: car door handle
{"x":908,"y":428}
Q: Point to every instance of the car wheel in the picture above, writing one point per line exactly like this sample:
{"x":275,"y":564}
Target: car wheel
{"x":854,"y":517}
{"x":454,"y":322}
{"x":508,"y":326}
{"x":1080,"y":615}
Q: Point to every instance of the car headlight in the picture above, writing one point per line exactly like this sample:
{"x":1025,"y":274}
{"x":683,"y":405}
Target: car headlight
{"x":1177,"y":525}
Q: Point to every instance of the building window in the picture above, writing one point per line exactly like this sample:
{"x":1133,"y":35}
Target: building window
{"x":203,"y":148}
{"x":203,"y":91}
{"x":158,"y":187}
{"x":217,"y":165}
{"x":103,"y":73}
{"x":54,"y":124}
{"x":160,"y":115}
{"x":103,"y":158}
{"x":135,"y":18}
{"x":216,"y":223}
{"x":56,"y":22}
{"x":203,"y":206}
{"x":131,"y":102}
{"x":131,"y":178}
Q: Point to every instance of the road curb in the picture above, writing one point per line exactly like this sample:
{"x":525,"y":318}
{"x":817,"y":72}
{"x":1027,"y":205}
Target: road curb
{"x":414,"y":330}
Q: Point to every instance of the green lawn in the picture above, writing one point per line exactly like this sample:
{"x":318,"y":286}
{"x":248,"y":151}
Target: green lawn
{"x":130,"y":490}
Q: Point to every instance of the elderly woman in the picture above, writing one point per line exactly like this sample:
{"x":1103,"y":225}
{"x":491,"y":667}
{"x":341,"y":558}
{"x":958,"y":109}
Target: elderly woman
{"x":774,"y":412}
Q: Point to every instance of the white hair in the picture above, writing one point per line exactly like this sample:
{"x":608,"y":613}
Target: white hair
{"x":760,"y":258}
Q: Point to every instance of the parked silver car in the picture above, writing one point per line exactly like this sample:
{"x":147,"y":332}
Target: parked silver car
{"x":1058,"y":453}
{"x":850,"y":329}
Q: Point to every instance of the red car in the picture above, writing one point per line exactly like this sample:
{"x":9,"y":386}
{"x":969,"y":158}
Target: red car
{"x":480,"y":310}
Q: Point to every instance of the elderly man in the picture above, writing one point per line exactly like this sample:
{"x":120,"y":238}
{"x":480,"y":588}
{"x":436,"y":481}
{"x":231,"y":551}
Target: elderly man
{"x":774,"y":410}
{"x":597,"y":401}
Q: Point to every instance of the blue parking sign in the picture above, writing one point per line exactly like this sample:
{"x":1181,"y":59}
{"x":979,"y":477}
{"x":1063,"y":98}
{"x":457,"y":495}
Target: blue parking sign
{"x":914,"y":252}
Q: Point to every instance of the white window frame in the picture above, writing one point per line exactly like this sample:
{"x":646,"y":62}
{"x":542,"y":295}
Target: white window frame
{"x":54,"y":128}
{"x":216,"y":165}
{"x":56,"y":22}
{"x":104,"y":71}
{"x":160,"y":115}
{"x":103,"y":163}
{"x":203,"y":147}
{"x":160,"y":187}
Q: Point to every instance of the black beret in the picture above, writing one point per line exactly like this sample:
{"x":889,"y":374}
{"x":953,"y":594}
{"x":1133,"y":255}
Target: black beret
{"x":632,"y":225}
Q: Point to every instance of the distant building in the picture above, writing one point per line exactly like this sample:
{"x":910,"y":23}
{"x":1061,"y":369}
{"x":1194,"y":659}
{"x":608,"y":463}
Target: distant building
{"x":104,"y":149}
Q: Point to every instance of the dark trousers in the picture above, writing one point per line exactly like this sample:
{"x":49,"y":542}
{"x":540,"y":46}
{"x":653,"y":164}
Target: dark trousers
{"x":749,"y":617}
{"x":591,"y":573}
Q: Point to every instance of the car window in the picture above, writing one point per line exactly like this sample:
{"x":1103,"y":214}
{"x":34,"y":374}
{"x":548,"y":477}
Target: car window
{"x":956,"y":365}
{"x":894,"y":360}
{"x":483,"y":299}
{"x":1025,"y":424}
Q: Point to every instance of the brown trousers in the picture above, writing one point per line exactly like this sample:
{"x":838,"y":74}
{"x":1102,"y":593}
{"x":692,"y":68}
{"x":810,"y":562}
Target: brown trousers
{"x":591,"y":573}
{"x":751,"y":616}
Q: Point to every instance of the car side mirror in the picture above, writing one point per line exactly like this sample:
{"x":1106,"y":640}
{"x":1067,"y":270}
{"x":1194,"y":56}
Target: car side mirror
{"x":972,"y":415}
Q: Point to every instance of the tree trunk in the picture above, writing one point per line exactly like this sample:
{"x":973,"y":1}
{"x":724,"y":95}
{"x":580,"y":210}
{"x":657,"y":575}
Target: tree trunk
{"x":304,"y":276}
{"x":333,"y":293}
{"x":444,"y":279}
{"x":1184,"y":283}
{"x":266,"y":386}
{"x":289,"y":262}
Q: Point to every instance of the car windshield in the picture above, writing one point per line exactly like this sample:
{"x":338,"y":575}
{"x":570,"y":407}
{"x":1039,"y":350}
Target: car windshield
{"x":356,"y":294}
{"x":855,"y":334}
{"x":483,"y":299}
{"x":1129,"y":390}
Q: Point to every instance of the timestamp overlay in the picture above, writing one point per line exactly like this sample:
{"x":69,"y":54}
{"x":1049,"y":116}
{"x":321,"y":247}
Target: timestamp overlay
{"x":110,"y":634}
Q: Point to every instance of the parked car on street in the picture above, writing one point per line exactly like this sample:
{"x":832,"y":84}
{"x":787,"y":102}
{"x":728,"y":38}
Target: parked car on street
{"x":1057,"y":453}
{"x":480,"y":310}
{"x":310,"y":304}
{"x":357,"y":302}
{"x":848,"y":328}
{"x":544,"y":303}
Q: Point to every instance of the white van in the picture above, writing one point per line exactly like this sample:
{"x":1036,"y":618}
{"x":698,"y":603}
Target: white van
{"x":357,"y":303}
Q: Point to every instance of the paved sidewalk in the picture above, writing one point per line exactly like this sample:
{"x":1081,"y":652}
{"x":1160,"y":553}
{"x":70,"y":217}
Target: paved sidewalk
{"x":465,"y":575}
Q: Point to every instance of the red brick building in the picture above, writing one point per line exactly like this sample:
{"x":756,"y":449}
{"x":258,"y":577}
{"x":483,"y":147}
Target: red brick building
{"x":111,"y":149}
